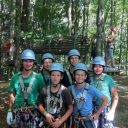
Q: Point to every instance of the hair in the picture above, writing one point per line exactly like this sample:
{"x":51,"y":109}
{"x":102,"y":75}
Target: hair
{"x":94,"y":66}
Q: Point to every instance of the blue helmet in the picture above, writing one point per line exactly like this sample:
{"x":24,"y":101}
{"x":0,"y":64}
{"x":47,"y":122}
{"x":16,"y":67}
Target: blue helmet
{"x":28,"y":55}
{"x":73,"y":52}
{"x":56,"y":67}
{"x":99,"y":60}
{"x":47,"y":56}
{"x":80,"y":66}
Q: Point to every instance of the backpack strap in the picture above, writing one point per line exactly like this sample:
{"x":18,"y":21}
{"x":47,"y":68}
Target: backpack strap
{"x":29,"y":89}
{"x":83,"y":98}
{"x":69,"y":77}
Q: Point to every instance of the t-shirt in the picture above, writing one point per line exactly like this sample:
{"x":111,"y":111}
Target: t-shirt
{"x":66,"y":101}
{"x":15,"y":87}
{"x":107,"y":84}
{"x":87,"y":106}
{"x":7,"y":46}
{"x":65,"y":81}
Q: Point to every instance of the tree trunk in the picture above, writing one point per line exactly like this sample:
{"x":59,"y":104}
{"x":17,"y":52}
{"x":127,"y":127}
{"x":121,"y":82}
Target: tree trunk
{"x":100,"y":18}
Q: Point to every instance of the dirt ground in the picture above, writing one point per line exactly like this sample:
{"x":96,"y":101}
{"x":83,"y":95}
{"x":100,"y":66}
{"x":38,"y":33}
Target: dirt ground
{"x":121,"y":116}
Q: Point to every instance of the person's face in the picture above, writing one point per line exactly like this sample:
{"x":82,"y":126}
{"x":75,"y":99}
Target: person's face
{"x":56,"y":77}
{"x":28,"y":64}
{"x":80,"y":76}
{"x":98,"y":69}
{"x":47,"y":63}
{"x":74,"y":60}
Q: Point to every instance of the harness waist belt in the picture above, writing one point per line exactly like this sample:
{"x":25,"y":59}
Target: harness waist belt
{"x":25,"y":107}
{"x":82,"y":117}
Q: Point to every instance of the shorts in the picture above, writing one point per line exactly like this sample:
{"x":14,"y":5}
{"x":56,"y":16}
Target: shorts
{"x":109,"y":53}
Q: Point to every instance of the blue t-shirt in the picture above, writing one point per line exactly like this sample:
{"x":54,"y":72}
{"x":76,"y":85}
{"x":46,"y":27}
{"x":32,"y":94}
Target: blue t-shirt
{"x":87,"y":106}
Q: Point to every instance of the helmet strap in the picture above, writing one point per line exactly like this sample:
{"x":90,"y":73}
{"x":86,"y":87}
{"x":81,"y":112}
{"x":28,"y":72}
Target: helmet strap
{"x":56,"y":85}
{"x":80,"y":83}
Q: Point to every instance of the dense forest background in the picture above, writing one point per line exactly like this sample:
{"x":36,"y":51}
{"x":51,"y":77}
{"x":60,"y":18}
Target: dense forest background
{"x":32,"y":22}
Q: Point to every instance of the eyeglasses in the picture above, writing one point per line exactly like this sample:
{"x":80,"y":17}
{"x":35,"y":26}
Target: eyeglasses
{"x":74,"y":58}
{"x":80,"y":75}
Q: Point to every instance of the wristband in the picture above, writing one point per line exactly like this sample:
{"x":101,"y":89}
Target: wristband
{"x":9,"y":110}
{"x":44,"y":113}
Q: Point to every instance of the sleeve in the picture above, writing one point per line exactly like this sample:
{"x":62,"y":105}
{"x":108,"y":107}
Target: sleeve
{"x":11,"y":86}
{"x":95,"y":92}
{"x":111,"y":82}
{"x":68,"y":98}
{"x":41,"y":82}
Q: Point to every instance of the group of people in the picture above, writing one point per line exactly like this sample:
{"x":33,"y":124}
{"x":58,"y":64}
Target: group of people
{"x":109,"y":48}
{"x":61,"y":98}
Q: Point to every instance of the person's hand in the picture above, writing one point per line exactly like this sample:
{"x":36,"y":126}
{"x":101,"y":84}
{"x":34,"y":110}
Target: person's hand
{"x":95,"y":116}
{"x":110,"y":115}
{"x":9,"y":118}
{"x":49,"y":118}
{"x":56,"y":123}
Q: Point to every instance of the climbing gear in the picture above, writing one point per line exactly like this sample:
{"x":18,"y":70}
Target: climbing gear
{"x":45,"y":81}
{"x":99,"y":60}
{"x":99,"y":85}
{"x":56,"y":67}
{"x":27,"y":91}
{"x":69,"y":77}
{"x":52,"y":101}
{"x":77,"y":118}
{"x":80,"y":66}
{"x":83,"y":98}
{"x":48,"y":56}
{"x":27,"y":55}
{"x":114,"y":29}
{"x":73,"y":52}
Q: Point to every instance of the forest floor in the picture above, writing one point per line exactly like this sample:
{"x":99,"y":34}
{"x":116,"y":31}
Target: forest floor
{"x":121,"y":116}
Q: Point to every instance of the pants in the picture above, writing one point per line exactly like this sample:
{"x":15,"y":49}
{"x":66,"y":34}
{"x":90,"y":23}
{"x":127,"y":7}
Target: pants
{"x":88,"y":123}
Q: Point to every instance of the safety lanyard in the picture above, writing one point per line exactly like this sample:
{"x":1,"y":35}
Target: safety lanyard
{"x":83,"y":98}
{"x":27,"y":91}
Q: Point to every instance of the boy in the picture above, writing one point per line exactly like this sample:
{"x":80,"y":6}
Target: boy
{"x":83,"y":95}
{"x":24,"y":90}
{"x":55,"y":101}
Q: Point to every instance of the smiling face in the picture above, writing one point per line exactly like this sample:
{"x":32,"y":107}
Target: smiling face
{"x":56,"y":77}
{"x":47,"y":63}
{"x":80,"y":76}
{"x":98,"y":69}
{"x":28,"y":64}
{"x":73,"y":60}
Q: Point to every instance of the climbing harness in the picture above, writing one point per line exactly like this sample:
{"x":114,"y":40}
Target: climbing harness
{"x":25,"y":108}
{"x":78,"y":118}
{"x":69,"y":77}
{"x":52,"y":101}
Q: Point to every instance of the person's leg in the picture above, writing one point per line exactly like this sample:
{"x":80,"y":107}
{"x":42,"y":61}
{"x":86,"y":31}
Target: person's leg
{"x":112,"y":57}
{"x":89,"y":123}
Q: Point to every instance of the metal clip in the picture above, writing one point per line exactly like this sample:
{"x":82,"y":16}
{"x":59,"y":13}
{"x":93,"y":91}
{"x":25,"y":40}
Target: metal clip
{"x":77,"y":120}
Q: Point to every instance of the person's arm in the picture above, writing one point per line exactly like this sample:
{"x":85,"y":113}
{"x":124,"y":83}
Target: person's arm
{"x":104,"y":103}
{"x":115,"y":99}
{"x":11,"y":100}
{"x":58,"y":122}
{"x":49,"y":117}
{"x":110,"y":39}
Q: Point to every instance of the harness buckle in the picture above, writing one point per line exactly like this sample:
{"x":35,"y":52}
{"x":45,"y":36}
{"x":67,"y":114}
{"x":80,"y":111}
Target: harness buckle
{"x":76,"y":120}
